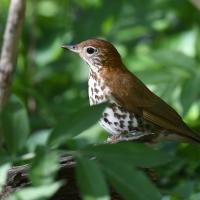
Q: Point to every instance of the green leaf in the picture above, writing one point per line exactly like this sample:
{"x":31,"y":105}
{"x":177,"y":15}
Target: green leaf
{"x":4,"y":156}
{"x":15,"y":125}
{"x":190,"y":92}
{"x":91,"y":180}
{"x":152,"y":76}
{"x":3,"y":174}
{"x":129,"y":182}
{"x":195,"y":196}
{"x":75,"y":124}
{"x":38,"y":138}
{"x":44,"y":166}
{"x":175,"y":59}
{"x":36,"y":193}
{"x":197,"y":42}
{"x":93,"y":135}
{"x":126,"y":152}
{"x":184,"y":189}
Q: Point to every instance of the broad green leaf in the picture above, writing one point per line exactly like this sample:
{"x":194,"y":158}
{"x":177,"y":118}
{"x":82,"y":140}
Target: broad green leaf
{"x":38,"y":138}
{"x":3,"y":174}
{"x":195,"y":196}
{"x":75,"y":124}
{"x":152,"y":76}
{"x":174,"y":59}
{"x":4,"y":156}
{"x":44,"y":167}
{"x":129,"y":182}
{"x":15,"y":125}
{"x":190,"y":92}
{"x":36,"y":193}
{"x":126,"y":152}
{"x":91,"y":180}
{"x":93,"y":135}
{"x":45,"y":56}
{"x":184,"y":189}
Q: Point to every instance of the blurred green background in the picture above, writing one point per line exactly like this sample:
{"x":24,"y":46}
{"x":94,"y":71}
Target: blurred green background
{"x":159,"y":41}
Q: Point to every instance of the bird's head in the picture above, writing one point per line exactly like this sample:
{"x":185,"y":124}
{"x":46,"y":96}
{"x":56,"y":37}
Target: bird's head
{"x":97,"y":53}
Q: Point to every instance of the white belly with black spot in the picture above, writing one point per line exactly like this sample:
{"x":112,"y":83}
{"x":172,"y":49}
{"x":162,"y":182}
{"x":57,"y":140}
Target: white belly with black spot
{"x":116,"y":121}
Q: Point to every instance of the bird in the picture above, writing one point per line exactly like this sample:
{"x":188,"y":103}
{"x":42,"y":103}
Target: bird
{"x":133,"y":111}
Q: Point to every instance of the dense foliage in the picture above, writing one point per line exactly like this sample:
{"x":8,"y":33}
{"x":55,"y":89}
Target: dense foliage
{"x":159,"y":41}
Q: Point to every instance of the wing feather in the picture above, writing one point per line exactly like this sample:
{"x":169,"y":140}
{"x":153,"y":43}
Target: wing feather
{"x":130,"y":92}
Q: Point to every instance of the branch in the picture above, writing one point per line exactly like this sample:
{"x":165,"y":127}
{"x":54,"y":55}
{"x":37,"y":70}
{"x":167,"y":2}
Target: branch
{"x":196,"y":3}
{"x":17,"y":179}
{"x":10,"y":46}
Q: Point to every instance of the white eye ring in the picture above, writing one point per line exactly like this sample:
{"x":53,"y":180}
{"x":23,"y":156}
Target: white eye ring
{"x":91,"y":50}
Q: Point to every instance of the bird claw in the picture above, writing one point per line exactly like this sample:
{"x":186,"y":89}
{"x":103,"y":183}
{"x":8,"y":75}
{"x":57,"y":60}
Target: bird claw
{"x":137,"y":137}
{"x":113,"y":139}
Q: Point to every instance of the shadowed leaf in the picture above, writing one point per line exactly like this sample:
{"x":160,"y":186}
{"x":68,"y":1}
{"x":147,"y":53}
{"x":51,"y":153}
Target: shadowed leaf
{"x":15,"y":125}
{"x":129,"y":153}
{"x":129,"y":182}
{"x":94,"y":186}
{"x":75,"y":124}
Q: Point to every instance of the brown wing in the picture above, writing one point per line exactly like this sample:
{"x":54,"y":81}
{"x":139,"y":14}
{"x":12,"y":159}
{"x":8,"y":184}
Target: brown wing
{"x":137,"y":98}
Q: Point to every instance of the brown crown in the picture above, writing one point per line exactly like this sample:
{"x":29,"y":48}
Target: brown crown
{"x":107,"y":52}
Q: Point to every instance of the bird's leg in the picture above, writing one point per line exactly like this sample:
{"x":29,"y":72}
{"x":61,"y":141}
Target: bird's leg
{"x":137,"y":136}
{"x":113,"y":139}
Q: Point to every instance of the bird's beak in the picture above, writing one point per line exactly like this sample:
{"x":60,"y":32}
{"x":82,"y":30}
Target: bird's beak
{"x":73,"y":48}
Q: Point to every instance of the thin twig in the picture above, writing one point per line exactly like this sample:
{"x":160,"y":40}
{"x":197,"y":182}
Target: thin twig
{"x":196,"y":3}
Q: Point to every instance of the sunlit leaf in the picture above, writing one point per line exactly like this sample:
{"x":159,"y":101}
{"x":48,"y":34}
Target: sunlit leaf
{"x":35,"y":193}
{"x":155,"y":76}
{"x":44,"y":167}
{"x":173,"y":59}
{"x":92,"y":135}
{"x":3,"y":174}
{"x":37,"y":139}
{"x":195,"y":196}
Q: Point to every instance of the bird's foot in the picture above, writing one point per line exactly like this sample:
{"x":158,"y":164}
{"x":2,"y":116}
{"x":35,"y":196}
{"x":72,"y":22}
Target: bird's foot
{"x":138,"y":137}
{"x":113,"y":139}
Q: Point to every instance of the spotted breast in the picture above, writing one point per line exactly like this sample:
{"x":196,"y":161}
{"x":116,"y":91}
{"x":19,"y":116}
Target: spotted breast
{"x":115,"y":119}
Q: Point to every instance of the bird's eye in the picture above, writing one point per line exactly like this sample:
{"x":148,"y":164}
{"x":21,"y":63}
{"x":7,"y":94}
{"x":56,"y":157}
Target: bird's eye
{"x":90,"y":50}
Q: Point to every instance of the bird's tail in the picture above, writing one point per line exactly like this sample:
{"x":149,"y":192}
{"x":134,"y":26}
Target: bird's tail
{"x":191,"y":136}
{"x":184,"y":135}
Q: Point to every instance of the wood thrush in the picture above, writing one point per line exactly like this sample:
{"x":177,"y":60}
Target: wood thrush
{"x":134,"y":112}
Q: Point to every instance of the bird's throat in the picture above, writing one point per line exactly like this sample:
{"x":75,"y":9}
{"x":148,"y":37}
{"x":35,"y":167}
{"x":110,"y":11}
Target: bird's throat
{"x":97,"y":90}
